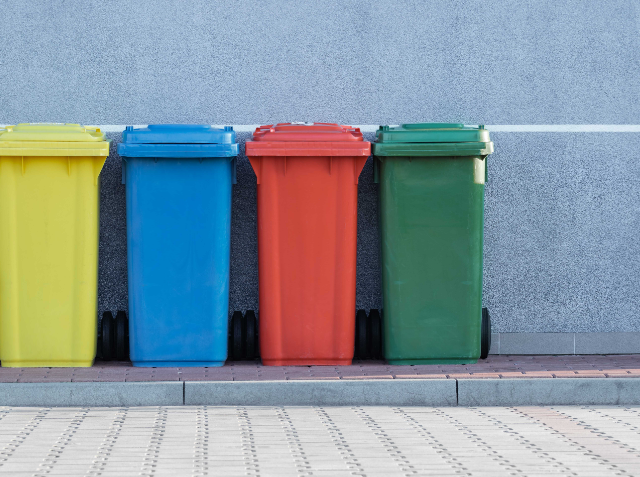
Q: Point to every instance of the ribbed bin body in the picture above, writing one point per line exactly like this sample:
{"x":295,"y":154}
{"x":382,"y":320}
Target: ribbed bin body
{"x":49,"y":220}
{"x":431,"y":227}
{"x":178,"y":246}
{"x":307,"y":231}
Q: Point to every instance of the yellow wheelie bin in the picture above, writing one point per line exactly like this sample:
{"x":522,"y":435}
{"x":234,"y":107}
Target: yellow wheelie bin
{"x":49,"y":218}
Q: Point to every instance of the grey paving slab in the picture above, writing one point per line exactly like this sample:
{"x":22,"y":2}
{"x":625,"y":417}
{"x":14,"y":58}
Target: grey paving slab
{"x":547,"y":392}
{"x":91,"y":394}
{"x":323,"y":393}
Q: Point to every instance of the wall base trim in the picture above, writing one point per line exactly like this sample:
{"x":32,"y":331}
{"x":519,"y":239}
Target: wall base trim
{"x":565,"y":343}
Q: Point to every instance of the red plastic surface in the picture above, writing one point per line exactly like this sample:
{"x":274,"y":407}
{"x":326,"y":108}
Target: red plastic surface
{"x":316,"y":139}
{"x":307,"y":227}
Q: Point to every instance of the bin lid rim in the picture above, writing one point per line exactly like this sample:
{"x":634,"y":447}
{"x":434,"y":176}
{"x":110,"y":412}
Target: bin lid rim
{"x":49,"y":132}
{"x":179,"y":134}
{"x":427,"y":149}
{"x":307,"y":132}
{"x":432,"y":133}
{"x":177,"y":150}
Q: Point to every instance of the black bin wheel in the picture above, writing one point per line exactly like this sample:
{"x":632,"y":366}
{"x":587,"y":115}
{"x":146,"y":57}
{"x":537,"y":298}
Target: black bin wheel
{"x":122,"y":336}
{"x":375,"y":334}
{"x":361,"y":345}
{"x":107,"y":326}
{"x":237,"y":341}
{"x":485,"y":335}
{"x":251,"y":332}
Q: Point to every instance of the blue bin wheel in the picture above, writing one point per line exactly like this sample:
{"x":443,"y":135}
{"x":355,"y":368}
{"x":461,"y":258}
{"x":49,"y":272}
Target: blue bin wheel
{"x":122,"y":336}
{"x":108,"y":331}
{"x":485,"y":336}
{"x":251,"y":328}
{"x":375,"y":335}
{"x":237,"y":341}
{"x":361,"y":351}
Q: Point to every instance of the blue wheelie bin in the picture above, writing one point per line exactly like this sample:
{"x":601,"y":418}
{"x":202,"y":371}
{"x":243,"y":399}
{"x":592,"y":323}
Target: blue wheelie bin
{"x":178,"y":187}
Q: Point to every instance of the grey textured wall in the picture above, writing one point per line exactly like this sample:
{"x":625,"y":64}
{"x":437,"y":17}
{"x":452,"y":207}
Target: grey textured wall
{"x":363,"y":62}
{"x":562,"y":229}
{"x":562,"y":250}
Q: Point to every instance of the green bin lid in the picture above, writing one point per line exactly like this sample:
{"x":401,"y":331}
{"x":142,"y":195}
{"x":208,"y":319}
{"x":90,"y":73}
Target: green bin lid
{"x":432,"y":139}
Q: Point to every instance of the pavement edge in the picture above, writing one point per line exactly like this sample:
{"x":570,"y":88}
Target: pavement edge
{"x":71,"y":394}
{"x":418,"y":392}
{"x":410,"y":392}
{"x":548,"y":391}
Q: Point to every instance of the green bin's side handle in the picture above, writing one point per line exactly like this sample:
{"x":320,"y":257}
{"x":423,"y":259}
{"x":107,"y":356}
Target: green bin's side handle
{"x":376,"y":173}
{"x":486,"y":163}
{"x":234,"y":174}
{"x":124,"y":170}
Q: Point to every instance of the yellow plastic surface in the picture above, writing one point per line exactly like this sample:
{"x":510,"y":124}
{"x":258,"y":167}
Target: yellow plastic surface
{"x":52,"y":140}
{"x":49,"y":219}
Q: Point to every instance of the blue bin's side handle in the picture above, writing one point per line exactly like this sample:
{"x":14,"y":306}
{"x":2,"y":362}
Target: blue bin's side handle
{"x":234,"y":174}
{"x":124,"y":170}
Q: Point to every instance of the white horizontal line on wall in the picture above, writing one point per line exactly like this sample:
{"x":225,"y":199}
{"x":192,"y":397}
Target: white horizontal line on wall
{"x":571,"y":128}
{"x":564,"y":127}
{"x":496,"y":128}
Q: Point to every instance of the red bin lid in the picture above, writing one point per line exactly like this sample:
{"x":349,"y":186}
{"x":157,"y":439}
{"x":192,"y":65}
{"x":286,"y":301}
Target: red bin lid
{"x":307,"y":139}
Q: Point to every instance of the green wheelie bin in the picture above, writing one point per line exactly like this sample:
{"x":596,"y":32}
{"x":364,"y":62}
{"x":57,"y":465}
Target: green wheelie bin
{"x":431,"y":178}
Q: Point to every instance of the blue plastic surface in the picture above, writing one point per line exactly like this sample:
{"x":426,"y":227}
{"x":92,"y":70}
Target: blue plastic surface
{"x":178,"y":246}
{"x":178,"y":140}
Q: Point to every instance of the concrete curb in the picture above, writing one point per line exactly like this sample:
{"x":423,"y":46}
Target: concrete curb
{"x":548,"y":391}
{"x":406,"y":392}
{"x":428,"y":392}
{"x":92,"y":394}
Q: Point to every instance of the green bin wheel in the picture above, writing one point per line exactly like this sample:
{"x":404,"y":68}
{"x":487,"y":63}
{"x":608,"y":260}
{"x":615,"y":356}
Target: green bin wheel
{"x":361,"y":345}
{"x":237,"y":344}
{"x":485,"y":337}
{"x":107,"y":326}
{"x":251,"y":332}
{"x":122,"y":336}
{"x":375,"y":335}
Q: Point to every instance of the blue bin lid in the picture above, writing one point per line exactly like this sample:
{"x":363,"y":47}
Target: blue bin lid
{"x":178,"y":140}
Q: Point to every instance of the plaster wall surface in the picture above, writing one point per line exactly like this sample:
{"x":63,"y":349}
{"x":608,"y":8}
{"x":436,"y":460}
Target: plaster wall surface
{"x":561,"y":248}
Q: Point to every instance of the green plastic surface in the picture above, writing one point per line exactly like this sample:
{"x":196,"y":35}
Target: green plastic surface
{"x":435,"y":139}
{"x":431,"y":222}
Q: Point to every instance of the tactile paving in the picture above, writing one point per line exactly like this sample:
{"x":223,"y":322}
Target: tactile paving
{"x":321,"y":441}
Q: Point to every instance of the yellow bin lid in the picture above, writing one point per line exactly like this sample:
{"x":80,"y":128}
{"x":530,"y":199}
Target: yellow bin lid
{"x":41,"y":139}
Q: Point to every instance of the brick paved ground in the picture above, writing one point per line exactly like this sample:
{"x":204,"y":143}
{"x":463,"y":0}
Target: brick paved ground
{"x":320,"y":441}
{"x":495,"y":367}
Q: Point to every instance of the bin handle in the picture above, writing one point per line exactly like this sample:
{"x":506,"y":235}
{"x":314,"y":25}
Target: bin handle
{"x":376,"y":172}
{"x":486,"y":163}
{"x":358,"y":164}
{"x":256,"y":164}
{"x":234,"y":173}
